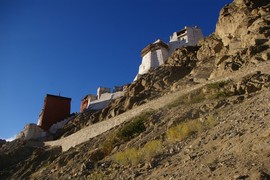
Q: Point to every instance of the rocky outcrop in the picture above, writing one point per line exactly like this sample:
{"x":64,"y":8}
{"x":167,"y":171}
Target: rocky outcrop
{"x":252,"y":83}
{"x":244,"y":29}
{"x":241,"y":38}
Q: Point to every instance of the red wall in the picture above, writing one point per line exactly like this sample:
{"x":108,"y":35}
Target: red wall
{"x":56,"y":108}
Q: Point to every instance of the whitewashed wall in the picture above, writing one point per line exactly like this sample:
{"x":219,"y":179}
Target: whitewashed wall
{"x":153,"y":59}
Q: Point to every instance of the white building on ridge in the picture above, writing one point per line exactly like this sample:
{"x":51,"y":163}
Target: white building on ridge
{"x":102,"y":99}
{"x":155,"y":54}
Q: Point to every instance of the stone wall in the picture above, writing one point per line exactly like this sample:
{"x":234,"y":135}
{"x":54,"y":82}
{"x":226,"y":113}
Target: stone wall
{"x":96,"y":129}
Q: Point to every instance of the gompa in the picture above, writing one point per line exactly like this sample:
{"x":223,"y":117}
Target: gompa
{"x":155,"y":54}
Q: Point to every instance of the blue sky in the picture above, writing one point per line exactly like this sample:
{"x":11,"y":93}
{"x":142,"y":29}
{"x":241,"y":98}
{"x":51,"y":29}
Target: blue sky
{"x":72,"y":47}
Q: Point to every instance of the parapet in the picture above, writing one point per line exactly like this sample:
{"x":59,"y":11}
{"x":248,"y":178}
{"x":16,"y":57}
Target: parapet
{"x":102,"y":90}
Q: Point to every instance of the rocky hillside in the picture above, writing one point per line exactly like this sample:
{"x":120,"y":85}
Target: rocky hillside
{"x":217,"y":131}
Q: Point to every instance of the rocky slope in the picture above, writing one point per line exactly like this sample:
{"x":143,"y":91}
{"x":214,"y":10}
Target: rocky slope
{"x":219,"y":131}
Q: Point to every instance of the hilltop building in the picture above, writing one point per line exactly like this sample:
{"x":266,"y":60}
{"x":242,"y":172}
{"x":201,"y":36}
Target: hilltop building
{"x":102,"y":99}
{"x":85,"y":102}
{"x":155,"y":54}
{"x":55,"y":109}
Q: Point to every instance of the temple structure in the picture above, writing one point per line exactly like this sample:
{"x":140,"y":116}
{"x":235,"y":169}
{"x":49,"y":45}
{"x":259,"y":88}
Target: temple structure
{"x":55,"y":109}
{"x":85,"y":102}
{"x":155,"y":54}
{"x":102,"y":99}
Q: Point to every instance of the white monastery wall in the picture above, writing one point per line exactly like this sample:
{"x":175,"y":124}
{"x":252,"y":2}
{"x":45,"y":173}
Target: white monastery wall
{"x":53,"y":129}
{"x":146,"y":63}
{"x":159,"y":54}
{"x":104,"y":100}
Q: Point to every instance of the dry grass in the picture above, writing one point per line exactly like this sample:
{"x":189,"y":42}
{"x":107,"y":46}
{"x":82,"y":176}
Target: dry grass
{"x":97,"y":175}
{"x":130,"y":156}
{"x":210,"y":91}
{"x":151,"y":149}
{"x":193,"y":97}
{"x":188,"y":128}
{"x":134,"y":156}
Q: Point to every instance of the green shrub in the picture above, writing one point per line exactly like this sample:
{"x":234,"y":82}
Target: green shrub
{"x":218,"y":85}
{"x":127,"y":132}
{"x":217,"y":90}
{"x":135,"y":127}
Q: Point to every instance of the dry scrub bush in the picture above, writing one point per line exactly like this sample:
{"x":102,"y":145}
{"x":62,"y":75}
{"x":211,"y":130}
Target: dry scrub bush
{"x":96,"y":175}
{"x":129,"y":156}
{"x":188,"y":128}
{"x":151,"y":149}
{"x":134,"y":156}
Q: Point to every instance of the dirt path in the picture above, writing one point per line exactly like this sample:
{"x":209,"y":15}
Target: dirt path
{"x":94,"y":130}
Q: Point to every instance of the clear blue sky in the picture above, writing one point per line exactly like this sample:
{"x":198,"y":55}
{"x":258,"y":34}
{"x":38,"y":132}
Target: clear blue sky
{"x":74,"y":46}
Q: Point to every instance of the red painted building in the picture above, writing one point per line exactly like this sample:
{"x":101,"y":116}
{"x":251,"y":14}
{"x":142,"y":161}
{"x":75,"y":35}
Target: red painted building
{"x":55,"y":109}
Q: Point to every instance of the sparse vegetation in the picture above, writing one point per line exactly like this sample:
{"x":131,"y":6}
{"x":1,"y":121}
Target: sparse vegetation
{"x":195,"y":96}
{"x":218,"y":85}
{"x":127,"y":132}
{"x":98,"y":175}
{"x":188,"y":128}
{"x":210,"y":91}
{"x":151,"y":149}
{"x":130,"y":156}
{"x":134,"y":156}
{"x":217,"y":90}
{"x":133,"y":128}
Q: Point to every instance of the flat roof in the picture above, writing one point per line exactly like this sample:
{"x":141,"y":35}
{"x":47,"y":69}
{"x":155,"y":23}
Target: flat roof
{"x":62,"y":97}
